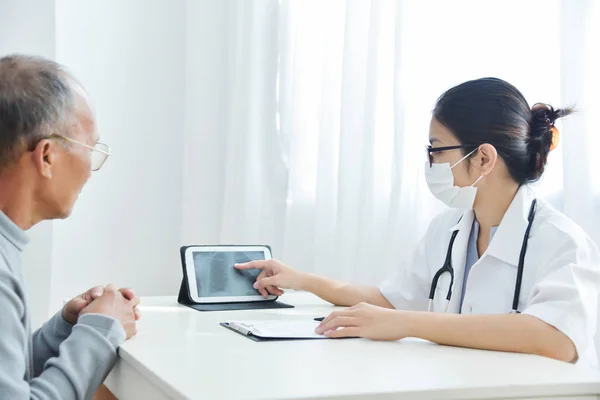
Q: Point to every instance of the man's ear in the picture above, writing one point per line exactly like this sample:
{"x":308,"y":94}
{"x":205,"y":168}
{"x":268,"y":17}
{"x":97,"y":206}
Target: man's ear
{"x":44,"y":155}
{"x":486,"y":159}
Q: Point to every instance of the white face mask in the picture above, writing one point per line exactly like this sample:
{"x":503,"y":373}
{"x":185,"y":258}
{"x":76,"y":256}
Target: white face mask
{"x":441,"y":183}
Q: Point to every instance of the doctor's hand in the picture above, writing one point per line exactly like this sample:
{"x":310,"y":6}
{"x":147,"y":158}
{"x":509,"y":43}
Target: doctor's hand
{"x":73,"y":308}
{"x":274,"y":276}
{"x":367,"y":321}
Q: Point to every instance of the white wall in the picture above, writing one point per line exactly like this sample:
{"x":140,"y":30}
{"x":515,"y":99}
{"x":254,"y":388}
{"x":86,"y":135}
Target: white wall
{"x":28,"y":27}
{"x":126,"y":226}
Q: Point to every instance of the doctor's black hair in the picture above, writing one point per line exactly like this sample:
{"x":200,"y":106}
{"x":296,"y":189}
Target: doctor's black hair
{"x":490,"y":110}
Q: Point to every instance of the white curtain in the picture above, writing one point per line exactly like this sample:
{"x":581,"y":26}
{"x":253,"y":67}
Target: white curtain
{"x":346,"y":150}
{"x":307,"y":119}
{"x":580,"y":45}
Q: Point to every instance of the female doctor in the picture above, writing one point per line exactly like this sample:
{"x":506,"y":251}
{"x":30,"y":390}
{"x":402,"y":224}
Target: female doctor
{"x":501,"y":269}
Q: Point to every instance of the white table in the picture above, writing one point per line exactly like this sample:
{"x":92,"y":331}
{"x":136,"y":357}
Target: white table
{"x":181,"y":353}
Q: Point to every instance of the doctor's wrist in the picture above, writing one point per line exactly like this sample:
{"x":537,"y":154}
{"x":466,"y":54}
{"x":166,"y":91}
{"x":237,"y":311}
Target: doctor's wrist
{"x":414,"y":323}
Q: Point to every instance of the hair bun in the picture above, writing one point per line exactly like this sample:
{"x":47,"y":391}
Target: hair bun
{"x":542,"y":130}
{"x":545,"y":113}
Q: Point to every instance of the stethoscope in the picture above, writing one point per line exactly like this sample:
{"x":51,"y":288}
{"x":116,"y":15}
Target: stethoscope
{"x":447,"y":267}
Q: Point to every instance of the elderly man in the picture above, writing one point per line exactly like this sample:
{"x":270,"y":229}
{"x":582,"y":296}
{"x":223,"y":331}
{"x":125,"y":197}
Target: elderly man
{"x":48,"y":148}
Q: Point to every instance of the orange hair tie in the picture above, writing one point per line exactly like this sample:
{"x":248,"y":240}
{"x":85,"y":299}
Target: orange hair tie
{"x":555,"y":138}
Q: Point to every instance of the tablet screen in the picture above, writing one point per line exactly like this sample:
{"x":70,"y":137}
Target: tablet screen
{"x":216,"y":276}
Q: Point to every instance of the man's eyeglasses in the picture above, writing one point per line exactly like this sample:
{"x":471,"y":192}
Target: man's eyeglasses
{"x":434,"y":150}
{"x":99,"y":151}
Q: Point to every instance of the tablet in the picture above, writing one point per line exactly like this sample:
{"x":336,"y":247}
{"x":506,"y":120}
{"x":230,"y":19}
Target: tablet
{"x":212,"y":278}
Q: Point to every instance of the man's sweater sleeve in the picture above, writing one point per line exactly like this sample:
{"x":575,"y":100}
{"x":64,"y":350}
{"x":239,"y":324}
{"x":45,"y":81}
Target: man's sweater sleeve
{"x":84,"y":360}
{"x":47,"y":339}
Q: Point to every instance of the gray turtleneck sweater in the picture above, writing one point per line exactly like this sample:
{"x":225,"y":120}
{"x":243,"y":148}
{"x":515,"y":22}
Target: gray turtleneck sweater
{"x":59,"y":361}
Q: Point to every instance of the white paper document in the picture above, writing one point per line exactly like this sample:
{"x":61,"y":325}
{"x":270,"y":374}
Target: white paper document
{"x":278,"y":329}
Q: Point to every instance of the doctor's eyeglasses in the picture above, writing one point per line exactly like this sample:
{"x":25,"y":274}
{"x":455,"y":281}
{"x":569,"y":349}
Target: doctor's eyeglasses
{"x":434,"y":150}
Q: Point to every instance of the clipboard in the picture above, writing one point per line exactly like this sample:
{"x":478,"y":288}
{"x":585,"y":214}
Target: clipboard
{"x":252,"y":331}
{"x":184,"y":297}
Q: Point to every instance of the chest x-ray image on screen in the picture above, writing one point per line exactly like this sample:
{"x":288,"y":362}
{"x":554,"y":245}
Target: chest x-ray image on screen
{"x":216,"y":276}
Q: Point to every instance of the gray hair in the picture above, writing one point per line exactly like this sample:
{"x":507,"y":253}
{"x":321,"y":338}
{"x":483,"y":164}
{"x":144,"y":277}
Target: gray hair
{"x":36,"y":100}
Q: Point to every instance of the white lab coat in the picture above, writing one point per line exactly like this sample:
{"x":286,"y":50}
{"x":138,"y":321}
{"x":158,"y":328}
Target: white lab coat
{"x":561,"y":275}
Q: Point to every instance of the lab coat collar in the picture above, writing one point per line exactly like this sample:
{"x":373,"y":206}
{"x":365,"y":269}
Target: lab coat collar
{"x":508,"y":239}
{"x":465,"y":222}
